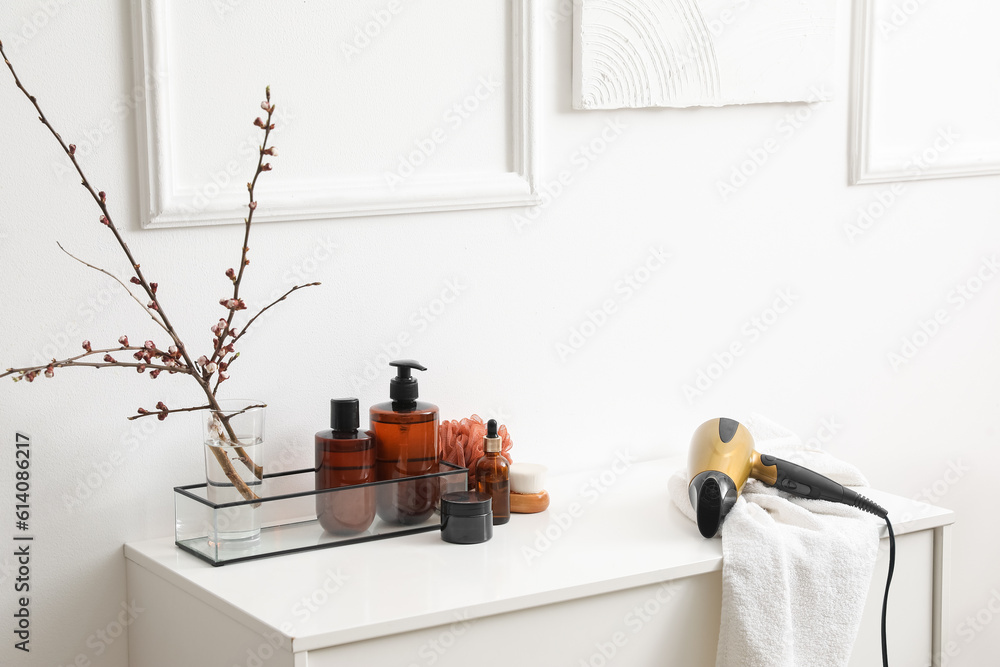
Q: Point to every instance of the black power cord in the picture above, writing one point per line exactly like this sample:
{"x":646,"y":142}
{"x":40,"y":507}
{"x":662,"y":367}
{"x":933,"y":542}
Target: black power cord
{"x":888,"y":580}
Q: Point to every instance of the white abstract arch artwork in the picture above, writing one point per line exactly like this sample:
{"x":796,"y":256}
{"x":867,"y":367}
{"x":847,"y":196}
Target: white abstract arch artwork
{"x":681,"y":53}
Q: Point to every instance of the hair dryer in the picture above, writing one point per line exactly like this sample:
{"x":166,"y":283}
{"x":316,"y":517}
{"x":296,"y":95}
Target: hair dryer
{"x":723,"y":457}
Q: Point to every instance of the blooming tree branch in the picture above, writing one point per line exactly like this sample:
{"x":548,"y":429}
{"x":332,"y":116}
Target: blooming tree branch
{"x":176,"y":359}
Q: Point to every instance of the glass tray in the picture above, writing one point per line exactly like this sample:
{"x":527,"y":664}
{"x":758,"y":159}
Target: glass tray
{"x":286,"y":514}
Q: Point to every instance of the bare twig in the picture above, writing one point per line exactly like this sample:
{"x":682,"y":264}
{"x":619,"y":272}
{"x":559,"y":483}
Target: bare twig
{"x":265,"y":308}
{"x":154,"y":413}
{"x":149,"y":312}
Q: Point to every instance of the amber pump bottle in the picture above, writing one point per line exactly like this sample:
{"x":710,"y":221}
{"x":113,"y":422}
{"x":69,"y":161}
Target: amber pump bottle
{"x":345,"y":457}
{"x":406,"y":445}
{"x":493,"y":475}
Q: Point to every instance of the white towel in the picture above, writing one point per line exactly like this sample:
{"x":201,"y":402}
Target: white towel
{"x":795,"y":572}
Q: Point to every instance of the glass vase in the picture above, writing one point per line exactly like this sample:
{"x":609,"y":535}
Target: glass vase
{"x":234,"y":471}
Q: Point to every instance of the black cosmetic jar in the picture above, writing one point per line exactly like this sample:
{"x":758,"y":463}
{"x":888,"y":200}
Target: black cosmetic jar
{"x":466,"y":517}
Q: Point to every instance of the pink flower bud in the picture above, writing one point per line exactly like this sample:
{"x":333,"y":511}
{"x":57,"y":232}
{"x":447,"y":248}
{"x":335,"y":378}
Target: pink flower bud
{"x":141,"y":368}
{"x":72,"y":149}
{"x":272,"y":151}
{"x":229,"y":348}
{"x":152,"y":305}
{"x":202,"y":360}
{"x":105,"y":221}
{"x":103,"y":196}
{"x":232,"y":332}
{"x":138,"y":356}
{"x":253,"y":204}
{"x":258,"y":122}
{"x":169,"y":363}
{"x":153,"y":287}
{"x":161,"y":406}
{"x":223,"y":376}
{"x":30,"y":377}
{"x":149,"y":345}
{"x":50,"y":371}
{"x":155,"y":373}
{"x":143,"y":411}
{"x":173,"y":350}
{"x":265,"y":106}
{"x":135,"y":281}
{"x":108,"y":358}
{"x":211,"y":368}
{"x":266,"y":166}
{"x":86,"y":345}
{"x":271,"y":126}
{"x":161,"y":416}
{"x":124,"y":341}
{"x":231,"y":274}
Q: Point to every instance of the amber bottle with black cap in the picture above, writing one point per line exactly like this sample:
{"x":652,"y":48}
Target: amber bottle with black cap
{"x":406,"y":445}
{"x":345,"y":457}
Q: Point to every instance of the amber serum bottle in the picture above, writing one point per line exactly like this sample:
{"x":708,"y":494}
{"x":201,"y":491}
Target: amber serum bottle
{"x":345,"y":457}
{"x":406,"y":445}
{"x":493,"y":475}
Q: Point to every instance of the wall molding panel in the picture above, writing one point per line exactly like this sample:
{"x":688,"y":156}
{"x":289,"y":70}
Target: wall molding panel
{"x":917,"y":112}
{"x":328,"y":196}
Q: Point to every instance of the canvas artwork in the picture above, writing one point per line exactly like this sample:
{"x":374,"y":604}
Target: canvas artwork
{"x":683,"y":53}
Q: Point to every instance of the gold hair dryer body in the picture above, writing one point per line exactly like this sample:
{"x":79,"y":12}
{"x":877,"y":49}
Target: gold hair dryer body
{"x":723,"y":457}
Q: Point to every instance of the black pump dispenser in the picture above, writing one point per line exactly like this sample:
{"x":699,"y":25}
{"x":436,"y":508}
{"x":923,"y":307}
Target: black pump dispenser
{"x":403,"y":388}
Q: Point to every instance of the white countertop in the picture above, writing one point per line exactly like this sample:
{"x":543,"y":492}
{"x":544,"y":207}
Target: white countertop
{"x":625,"y":533}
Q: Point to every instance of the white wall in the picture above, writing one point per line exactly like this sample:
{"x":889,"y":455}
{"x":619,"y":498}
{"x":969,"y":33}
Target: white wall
{"x":493,"y":351}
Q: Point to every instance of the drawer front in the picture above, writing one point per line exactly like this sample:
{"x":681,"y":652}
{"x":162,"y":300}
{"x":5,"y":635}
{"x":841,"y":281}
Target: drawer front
{"x":674,"y":623}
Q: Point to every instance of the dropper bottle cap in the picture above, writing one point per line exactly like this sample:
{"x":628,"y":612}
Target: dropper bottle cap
{"x":491,"y":441}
